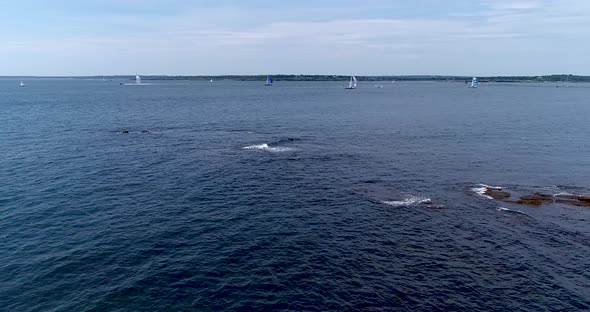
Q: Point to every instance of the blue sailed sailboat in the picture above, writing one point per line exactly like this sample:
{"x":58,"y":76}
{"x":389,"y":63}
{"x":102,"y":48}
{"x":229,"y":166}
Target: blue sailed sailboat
{"x":268,"y":81}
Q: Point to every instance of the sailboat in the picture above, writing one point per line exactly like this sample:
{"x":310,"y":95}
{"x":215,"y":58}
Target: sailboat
{"x":211,"y":80}
{"x":474,"y":83}
{"x":352,"y":83}
{"x":269,"y":81}
{"x":137,"y":79}
{"x":22,"y":84}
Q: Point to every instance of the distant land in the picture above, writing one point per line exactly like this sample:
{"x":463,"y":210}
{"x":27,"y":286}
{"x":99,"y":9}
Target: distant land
{"x":283,"y":77}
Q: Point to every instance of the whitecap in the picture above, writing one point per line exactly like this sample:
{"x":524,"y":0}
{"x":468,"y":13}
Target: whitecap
{"x":564,"y":194}
{"x":265,"y":147}
{"x":409,"y":201}
{"x":518,"y":212}
{"x":482,"y":188}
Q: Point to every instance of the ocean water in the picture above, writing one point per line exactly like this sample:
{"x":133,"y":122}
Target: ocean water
{"x":302,"y":196}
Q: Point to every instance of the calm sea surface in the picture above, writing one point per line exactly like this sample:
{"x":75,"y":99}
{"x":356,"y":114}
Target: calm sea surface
{"x":301,"y":196}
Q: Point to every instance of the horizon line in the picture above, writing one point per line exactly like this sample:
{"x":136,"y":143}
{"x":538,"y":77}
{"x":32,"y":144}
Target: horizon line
{"x":280,"y":74}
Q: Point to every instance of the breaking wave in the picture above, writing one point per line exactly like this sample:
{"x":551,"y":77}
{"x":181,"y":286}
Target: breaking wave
{"x":516,"y":212}
{"x":481,"y":188}
{"x":267,"y":148}
{"x":409,"y":201}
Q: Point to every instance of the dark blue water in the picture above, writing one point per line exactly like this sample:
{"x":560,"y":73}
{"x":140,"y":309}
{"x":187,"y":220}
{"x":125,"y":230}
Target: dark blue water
{"x":360,"y":200}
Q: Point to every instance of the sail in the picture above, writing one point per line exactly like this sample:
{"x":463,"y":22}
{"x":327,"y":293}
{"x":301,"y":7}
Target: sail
{"x":352,"y":83}
{"x":137,"y":79}
{"x":474,"y":82}
{"x":22,"y":84}
{"x":269,"y":80}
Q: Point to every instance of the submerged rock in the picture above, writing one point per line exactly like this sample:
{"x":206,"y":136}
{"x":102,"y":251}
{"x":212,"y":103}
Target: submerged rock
{"x":567,"y":196}
{"x":538,"y":199}
{"x":496,"y":193}
{"x":530,"y":202}
{"x":577,"y":203}
{"x":124,"y":132}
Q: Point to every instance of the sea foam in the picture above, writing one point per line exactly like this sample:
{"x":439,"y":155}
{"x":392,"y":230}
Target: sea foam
{"x":482,"y":188}
{"x":409,"y":201}
{"x":265,"y":147}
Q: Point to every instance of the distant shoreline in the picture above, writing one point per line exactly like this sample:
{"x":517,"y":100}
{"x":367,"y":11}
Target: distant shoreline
{"x":282,"y":77}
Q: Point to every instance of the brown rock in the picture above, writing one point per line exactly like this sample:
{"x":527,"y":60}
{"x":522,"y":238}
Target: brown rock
{"x":584,"y":198}
{"x":530,"y":202}
{"x":567,"y":196}
{"x":544,"y":195}
{"x":574,"y":203}
{"x":497,"y":194}
{"x":538,"y":196}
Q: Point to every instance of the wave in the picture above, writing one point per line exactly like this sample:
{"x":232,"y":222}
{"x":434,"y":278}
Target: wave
{"x":482,"y":188}
{"x":563,"y":194}
{"x":287,"y":140}
{"x":518,"y":212}
{"x":135,"y":84}
{"x":272,"y":149}
{"x":409,"y":201}
{"x":137,"y":132}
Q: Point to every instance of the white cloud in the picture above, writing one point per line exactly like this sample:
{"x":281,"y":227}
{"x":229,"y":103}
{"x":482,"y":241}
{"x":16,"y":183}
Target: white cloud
{"x":506,"y":37}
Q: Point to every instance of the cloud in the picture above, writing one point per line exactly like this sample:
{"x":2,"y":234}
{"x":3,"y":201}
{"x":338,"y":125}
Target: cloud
{"x":503,"y":5}
{"x":500,"y":37}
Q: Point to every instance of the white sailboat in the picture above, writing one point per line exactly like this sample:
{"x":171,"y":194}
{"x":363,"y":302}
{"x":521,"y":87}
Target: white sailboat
{"x":22,"y":84}
{"x":269,"y":81}
{"x":211,"y":80}
{"x":352,"y":83}
{"x":474,"y":82}
{"x":137,"y":79}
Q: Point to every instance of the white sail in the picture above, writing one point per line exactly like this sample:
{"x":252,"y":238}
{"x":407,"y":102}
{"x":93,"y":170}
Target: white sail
{"x":352,"y":83}
{"x":474,"y":82}
{"x":22,"y":84}
{"x":137,"y":79}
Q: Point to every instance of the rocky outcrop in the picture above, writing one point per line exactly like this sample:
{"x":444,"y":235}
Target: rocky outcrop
{"x":529,"y":202}
{"x":577,"y":203}
{"x":567,"y":196}
{"x":497,"y":193}
{"x":538,"y":199}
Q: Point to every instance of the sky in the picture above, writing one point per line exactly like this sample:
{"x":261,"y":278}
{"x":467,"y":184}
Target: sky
{"x":362,"y":37}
